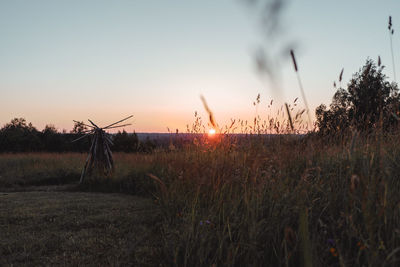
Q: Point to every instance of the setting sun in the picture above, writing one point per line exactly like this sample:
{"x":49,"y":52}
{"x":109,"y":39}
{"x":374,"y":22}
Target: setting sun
{"x":211,"y":132}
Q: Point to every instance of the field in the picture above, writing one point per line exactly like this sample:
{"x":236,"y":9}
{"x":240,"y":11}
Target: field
{"x":282,"y":201}
{"x":100,"y":164}
{"x":63,"y":228}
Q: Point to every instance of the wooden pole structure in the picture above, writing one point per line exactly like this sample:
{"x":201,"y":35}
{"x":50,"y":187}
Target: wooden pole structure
{"x":100,"y":156}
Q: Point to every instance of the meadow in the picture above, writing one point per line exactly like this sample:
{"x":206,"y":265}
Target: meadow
{"x":277,"y":194}
{"x":279,"y":190}
{"x":219,"y":201}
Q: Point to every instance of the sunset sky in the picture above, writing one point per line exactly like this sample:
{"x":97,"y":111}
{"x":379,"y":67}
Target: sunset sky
{"x":104,"y":60}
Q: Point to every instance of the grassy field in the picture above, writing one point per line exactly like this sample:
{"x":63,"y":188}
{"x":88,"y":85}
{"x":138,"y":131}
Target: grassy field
{"x":74,"y":229}
{"x":284,"y":202}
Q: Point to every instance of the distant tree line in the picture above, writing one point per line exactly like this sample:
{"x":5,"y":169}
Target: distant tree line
{"x":369,"y":102}
{"x":20,"y":136}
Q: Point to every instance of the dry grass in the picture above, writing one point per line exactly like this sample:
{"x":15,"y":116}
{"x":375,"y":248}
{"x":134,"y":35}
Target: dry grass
{"x":21,"y":170}
{"x":258,"y":200}
{"x":75,"y":229}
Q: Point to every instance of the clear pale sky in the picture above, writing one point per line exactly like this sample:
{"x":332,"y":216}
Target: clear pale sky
{"x":104,"y":60}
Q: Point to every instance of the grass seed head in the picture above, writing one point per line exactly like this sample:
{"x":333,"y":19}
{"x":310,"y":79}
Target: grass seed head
{"x":341,"y":75}
{"x":210,"y":114}
{"x":289,"y":116}
{"x":294,"y":60}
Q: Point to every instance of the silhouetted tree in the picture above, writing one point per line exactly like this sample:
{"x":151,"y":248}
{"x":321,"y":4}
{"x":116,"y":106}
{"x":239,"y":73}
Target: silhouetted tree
{"x":148,"y":145}
{"x":368,"y":96}
{"x":125,"y":142}
{"x":52,"y":140}
{"x":18,"y":136}
{"x":79,"y":127}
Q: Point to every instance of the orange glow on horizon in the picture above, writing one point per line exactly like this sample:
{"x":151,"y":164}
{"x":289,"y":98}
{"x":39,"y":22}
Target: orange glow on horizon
{"x":211,"y":132}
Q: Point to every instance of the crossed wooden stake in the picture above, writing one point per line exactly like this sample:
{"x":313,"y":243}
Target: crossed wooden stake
{"x":100,"y":156}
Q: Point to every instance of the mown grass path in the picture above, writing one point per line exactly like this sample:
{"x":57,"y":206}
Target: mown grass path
{"x":75,"y":228}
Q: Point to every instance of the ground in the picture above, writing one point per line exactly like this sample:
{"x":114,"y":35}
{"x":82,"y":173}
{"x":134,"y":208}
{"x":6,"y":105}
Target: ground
{"x":50,"y":227}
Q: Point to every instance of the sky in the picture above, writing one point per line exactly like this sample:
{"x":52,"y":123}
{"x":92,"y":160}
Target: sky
{"x":104,"y":60}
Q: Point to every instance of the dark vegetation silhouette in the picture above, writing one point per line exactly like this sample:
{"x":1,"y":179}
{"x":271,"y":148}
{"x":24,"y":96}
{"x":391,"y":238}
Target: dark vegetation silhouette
{"x":20,"y":136}
{"x":369,"y":102}
{"x":126,"y":142}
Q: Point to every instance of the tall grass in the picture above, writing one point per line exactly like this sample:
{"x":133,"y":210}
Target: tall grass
{"x":18,"y":171}
{"x":391,"y":32}
{"x":38,"y":169}
{"x":256,"y":200}
{"x":281,"y":204}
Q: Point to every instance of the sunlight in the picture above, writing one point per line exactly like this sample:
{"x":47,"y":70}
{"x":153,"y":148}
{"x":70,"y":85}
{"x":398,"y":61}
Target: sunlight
{"x":211,"y":132}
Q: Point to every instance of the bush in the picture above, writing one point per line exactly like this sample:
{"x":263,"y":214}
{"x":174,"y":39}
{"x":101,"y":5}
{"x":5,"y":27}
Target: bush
{"x":368,"y":101}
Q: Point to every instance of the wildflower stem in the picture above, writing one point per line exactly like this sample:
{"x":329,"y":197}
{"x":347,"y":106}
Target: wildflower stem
{"x":303,"y":95}
{"x":391,"y":49}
